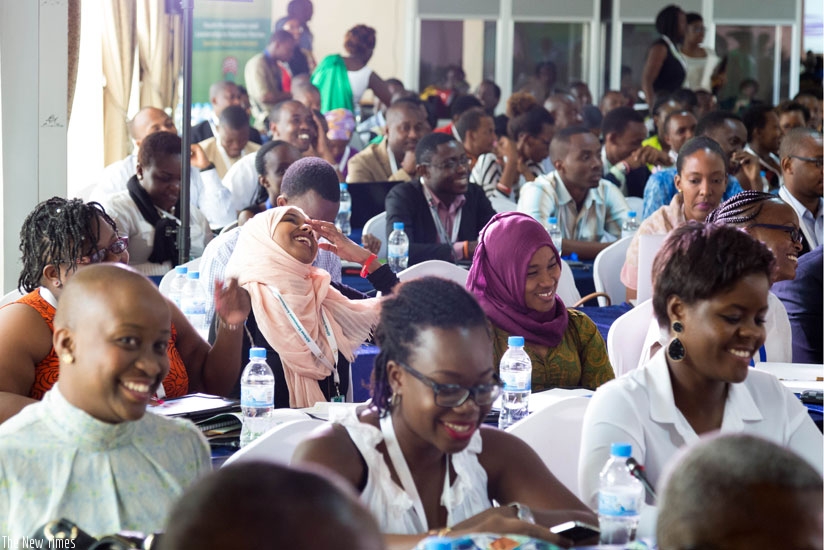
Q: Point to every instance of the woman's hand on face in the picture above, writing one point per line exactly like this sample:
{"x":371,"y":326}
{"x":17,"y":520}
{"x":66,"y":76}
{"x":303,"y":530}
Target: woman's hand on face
{"x":199,"y":159}
{"x":503,"y":520}
{"x":345,"y":248}
{"x":232,"y":303}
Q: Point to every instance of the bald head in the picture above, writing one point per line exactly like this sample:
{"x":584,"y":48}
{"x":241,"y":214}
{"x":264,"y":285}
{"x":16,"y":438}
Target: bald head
{"x":148,"y":121}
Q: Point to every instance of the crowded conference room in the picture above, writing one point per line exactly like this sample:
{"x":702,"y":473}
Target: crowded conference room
{"x":411,"y":274}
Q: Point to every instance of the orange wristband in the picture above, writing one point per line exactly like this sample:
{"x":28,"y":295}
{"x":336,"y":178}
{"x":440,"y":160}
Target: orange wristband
{"x":466,"y":250}
{"x":364,"y":272}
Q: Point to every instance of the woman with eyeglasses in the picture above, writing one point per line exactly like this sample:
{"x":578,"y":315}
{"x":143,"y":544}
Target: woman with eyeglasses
{"x":710,"y":294}
{"x":515,"y":277}
{"x":418,"y":452}
{"x":61,"y":236}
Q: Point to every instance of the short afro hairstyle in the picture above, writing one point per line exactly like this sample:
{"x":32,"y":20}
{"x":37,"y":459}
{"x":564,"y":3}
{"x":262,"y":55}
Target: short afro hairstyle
{"x":157,"y":145}
{"x":428,"y":146}
{"x":713,"y":121}
{"x":755,"y":118}
{"x":617,"y":120}
{"x":531,"y":122}
{"x":311,"y":174}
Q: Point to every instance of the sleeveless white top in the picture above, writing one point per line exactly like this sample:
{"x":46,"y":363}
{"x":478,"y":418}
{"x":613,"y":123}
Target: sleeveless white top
{"x":359,"y":82}
{"x":390,"y":505}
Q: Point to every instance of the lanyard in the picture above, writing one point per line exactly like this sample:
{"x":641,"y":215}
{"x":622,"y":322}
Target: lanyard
{"x":310,"y":343}
{"x":437,"y":219}
{"x":393,"y":164}
{"x":345,"y":158}
{"x":402,"y":469}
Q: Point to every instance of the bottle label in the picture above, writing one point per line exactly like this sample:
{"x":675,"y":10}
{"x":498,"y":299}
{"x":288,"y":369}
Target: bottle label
{"x":397,"y":250}
{"x":517,"y":380}
{"x":620,"y":504}
{"x":257,"y":396}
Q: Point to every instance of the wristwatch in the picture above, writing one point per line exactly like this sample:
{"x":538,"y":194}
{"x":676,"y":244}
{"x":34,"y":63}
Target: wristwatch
{"x":524,"y":513}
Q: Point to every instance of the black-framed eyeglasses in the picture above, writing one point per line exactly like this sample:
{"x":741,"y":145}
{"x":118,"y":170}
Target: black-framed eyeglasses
{"x":452,"y":163}
{"x":795,"y":233}
{"x":454,"y":395}
{"x":818,"y":161}
{"x":117,"y":247}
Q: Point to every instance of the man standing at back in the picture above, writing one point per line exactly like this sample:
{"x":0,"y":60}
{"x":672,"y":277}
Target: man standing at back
{"x":442,"y":212}
{"x":801,"y":162}
{"x":393,"y":159}
{"x":589,"y":209}
{"x":264,"y":76}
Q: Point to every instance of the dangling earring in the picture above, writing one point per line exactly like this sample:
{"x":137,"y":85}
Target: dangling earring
{"x":675,"y":349}
{"x":395,"y":400}
{"x":66,"y":358}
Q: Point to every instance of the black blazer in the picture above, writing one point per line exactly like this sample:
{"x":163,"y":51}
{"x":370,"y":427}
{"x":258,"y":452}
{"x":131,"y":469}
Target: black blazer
{"x":204,"y":131}
{"x":406,"y":203}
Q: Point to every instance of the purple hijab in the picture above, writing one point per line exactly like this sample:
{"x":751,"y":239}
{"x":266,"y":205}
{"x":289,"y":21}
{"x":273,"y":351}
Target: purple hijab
{"x":498,"y":278}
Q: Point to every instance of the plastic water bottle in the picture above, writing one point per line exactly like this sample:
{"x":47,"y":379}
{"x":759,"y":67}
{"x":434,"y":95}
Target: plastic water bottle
{"x":556,"y":235}
{"x":398,"y":248}
{"x":516,"y":375}
{"x":257,"y":396}
{"x":630,"y":225}
{"x":344,"y":211}
{"x":175,"y":292}
{"x":620,"y":497}
{"x":193,"y":303}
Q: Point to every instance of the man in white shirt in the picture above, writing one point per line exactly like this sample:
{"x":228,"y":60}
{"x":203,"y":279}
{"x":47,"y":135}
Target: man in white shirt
{"x":801,"y":161}
{"x":589,"y":209}
{"x":206,"y":191}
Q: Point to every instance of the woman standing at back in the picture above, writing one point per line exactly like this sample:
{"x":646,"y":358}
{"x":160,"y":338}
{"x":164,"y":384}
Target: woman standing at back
{"x":665,"y":67}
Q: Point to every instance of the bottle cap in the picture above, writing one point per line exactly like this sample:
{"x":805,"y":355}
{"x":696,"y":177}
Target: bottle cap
{"x":516,"y":341}
{"x":193,"y":275}
{"x":553,"y":220}
{"x":622,"y":450}
{"x":344,"y":187}
{"x":574,"y":256}
{"x":397,"y":226}
{"x":631,"y":214}
{"x":257,"y":352}
{"x":181,"y":270}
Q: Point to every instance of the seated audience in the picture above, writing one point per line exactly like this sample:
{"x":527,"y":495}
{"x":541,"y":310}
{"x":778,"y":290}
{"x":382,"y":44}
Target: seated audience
{"x":146,"y":211}
{"x":813,"y":105}
{"x":342,"y":80}
{"x":271,"y":162}
{"x":231,"y":142}
{"x":678,"y":127}
{"x":740,"y":491}
{"x":461,"y":105}
{"x":477,"y":132}
{"x":763,"y":140}
{"x":802,"y":297}
{"x":711,"y":286}
{"x":624,"y":159}
{"x":792,"y":115}
{"x":530,"y":130}
{"x":393,"y":158}
{"x":58,"y":239}
{"x":266,"y":77}
{"x":441,"y":212}
{"x":566,"y":112}
{"x":589,"y":209}
{"x":707,"y":103}
{"x":701,"y":181}
{"x":303,"y":91}
{"x":205,"y":190}
{"x":802,"y":155}
{"x":433,"y":384}
{"x":515,"y":277}
{"x":580,"y":91}
{"x":102,"y":462}
{"x":728,"y":131}
{"x":612,"y":99}
{"x":264,"y":505}
{"x":490,"y":94}
{"x":222,"y":94}
{"x":313,"y":328}
{"x":341,"y":125}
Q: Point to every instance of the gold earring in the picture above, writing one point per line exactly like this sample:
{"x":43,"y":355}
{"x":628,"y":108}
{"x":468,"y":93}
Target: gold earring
{"x":66,"y":358}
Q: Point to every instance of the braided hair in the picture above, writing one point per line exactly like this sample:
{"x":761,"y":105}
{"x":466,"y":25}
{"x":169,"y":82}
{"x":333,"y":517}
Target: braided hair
{"x":428,"y":302}
{"x":58,"y":230}
{"x":740,"y":209}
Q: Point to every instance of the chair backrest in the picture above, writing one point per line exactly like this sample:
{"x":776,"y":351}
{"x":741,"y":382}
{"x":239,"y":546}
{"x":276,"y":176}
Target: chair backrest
{"x":636,"y":204}
{"x":279,"y":443}
{"x":376,"y":225}
{"x":606,"y":271}
{"x":193,"y":265}
{"x":567,"y":290}
{"x":626,"y":336}
{"x":554,"y":432}
{"x":10,"y":296}
{"x":648,"y":246}
{"x":500,"y":204}
{"x":436,"y":268}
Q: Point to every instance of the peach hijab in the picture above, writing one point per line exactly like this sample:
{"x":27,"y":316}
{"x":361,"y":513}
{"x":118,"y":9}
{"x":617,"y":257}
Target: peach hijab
{"x":259,"y":262}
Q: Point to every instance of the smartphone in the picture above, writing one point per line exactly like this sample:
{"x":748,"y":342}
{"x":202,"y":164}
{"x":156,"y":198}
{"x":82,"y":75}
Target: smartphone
{"x":576,"y":530}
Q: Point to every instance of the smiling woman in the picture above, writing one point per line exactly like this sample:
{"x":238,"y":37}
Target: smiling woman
{"x":433,"y":385}
{"x":711,"y":285}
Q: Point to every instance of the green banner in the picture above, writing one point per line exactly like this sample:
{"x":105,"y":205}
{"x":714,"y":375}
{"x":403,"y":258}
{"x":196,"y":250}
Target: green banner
{"x":227,"y":33}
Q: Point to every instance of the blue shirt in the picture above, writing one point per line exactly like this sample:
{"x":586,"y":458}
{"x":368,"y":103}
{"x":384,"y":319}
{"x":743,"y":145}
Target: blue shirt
{"x":661,"y":188}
